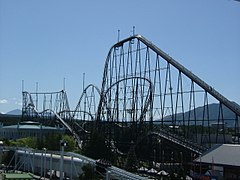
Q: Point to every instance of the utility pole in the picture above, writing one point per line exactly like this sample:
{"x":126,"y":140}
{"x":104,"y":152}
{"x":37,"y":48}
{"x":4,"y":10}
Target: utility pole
{"x":44,"y":163}
{"x":63,"y":144}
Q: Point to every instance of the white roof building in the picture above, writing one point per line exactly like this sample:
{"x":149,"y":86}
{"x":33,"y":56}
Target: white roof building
{"x":224,"y":158}
{"x":28,"y":129}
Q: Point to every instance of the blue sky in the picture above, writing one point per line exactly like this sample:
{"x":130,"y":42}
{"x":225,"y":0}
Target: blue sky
{"x":46,"y":41}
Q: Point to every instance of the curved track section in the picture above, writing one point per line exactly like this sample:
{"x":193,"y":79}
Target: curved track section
{"x":54,"y":106}
{"x":87,"y":105}
{"x":144,"y":90}
{"x":129,"y":104}
{"x":56,"y":116}
{"x":181,"y":102}
{"x":56,"y":101}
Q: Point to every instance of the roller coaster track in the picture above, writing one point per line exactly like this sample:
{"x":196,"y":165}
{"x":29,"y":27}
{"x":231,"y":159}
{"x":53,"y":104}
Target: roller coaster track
{"x":193,"y":147}
{"x":233,"y":106}
{"x":74,"y":134}
{"x":69,"y":128}
{"x":132,"y":94}
{"x":81,"y":99}
{"x":182,"y":142}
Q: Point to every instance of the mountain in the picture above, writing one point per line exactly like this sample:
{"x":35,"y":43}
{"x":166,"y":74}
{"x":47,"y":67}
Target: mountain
{"x":15,"y":112}
{"x":213,"y":108}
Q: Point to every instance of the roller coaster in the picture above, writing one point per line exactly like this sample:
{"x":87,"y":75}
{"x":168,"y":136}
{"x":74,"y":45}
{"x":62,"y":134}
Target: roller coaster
{"x":147,"y":99}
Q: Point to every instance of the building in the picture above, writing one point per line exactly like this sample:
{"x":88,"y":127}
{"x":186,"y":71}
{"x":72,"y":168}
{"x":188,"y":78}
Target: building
{"x":223,"y":159}
{"x":28,"y":129}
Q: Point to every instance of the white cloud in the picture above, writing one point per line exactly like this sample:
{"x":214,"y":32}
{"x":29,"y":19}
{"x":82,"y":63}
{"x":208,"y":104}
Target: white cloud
{"x":3,"y":101}
{"x":18,"y":103}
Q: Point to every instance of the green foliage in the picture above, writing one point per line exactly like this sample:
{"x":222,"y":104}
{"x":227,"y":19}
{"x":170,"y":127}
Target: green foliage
{"x":96,"y":147}
{"x":50,"y":142}
{"x":30,"y":142}
{"x":131,"y":162}
{"x":88,"y":172}
{"x":6,"y":142}
{"x":71,"y":145}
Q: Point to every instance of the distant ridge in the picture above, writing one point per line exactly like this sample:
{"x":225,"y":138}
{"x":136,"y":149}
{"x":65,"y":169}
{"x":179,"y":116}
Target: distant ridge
{"x":229,"y":116}
{"x":15,"y":112}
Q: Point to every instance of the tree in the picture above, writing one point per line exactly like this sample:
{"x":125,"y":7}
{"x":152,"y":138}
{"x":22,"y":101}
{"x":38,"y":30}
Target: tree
{"x":88,"y":172}
{"x":131,"y":162}
{"x":52,"y":142}
{"x":70,"y":143}
{"x":96,"y":147}
{"x":30,"y":142}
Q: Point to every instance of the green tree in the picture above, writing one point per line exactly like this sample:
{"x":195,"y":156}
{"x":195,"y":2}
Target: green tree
{"x":131,"y":162}
{"x":52,"y":141}
{"x":24,"y":142}
{"x":88,"y":172}
{"x":71,"y":145}
{"x":96,"y":147}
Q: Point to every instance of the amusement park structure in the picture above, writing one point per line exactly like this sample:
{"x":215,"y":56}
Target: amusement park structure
{"x":148,"y":101}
